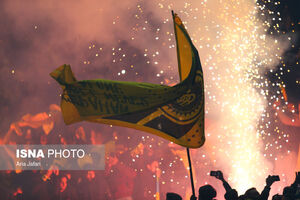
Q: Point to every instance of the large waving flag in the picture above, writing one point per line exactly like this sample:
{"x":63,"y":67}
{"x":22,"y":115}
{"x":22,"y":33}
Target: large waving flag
{"x":174,"y":113}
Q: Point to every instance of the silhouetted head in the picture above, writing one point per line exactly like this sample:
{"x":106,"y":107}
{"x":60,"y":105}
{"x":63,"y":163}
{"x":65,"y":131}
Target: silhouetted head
{"x":207,"y":192}
{"x":242,"y":197}
{"x":252,"y":193}
{"x":173,"y":196}
{"x":231,"y":195}
{"x":277,"y":197}
{"x":288,"y":193}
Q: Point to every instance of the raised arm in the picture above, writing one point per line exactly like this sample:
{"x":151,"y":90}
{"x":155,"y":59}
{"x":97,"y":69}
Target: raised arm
{"x":266,"y":192}
{"x":219,"y":175}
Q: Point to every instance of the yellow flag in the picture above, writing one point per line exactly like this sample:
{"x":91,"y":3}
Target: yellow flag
{"x":174,"y":113}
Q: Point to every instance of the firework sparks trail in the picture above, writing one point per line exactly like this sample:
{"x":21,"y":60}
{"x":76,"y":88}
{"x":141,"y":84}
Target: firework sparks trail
{"x":235,"y":52}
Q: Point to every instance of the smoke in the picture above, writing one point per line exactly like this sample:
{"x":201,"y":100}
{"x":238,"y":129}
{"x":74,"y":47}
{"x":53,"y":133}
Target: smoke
{"x":91,"y":36}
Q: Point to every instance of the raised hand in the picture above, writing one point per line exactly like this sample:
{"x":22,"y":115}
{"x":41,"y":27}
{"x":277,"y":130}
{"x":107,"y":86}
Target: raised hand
{"x":220,"y":175}
{"x":271,"y":179}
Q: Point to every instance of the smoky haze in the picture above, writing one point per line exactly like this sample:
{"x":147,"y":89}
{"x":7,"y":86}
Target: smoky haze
{"x":38,"y":36}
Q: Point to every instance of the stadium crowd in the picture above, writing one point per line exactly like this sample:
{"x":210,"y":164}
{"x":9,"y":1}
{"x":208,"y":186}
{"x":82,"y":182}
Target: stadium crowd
{"x":207,"y":192}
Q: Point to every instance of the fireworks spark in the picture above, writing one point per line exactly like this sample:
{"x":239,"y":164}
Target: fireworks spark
{"x":235,"y":51}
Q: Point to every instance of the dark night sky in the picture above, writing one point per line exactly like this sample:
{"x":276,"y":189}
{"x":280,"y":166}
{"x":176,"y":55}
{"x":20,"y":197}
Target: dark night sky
{"x":290,"y":21}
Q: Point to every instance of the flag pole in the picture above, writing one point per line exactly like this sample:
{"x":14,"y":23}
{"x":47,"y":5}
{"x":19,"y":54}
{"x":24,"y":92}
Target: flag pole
{"x":191,"y":171}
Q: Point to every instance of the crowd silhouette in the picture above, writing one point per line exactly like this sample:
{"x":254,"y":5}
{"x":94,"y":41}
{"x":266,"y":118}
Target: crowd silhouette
{"x":207,"y":192}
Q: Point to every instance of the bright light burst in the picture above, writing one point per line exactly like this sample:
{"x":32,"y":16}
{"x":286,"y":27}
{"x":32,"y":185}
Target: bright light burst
{"x":235,"y":52}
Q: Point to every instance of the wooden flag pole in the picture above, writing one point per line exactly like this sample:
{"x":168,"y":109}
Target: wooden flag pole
{"x":191,"y":171}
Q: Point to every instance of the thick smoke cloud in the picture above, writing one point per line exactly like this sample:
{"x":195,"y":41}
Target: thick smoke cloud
{"x":38,"y":36}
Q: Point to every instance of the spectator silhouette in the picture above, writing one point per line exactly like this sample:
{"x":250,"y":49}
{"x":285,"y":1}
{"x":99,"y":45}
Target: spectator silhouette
{"x":242,"y":197}
{"x":252,"y":194}
{"x":231,"y":194}
{"x":277,"y":197}
{"x":207,"y":192}
{"x":266,"y":192}
{"x":292,"y":192}
{"x":173,"y":196}
{"x":288,"y":193}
